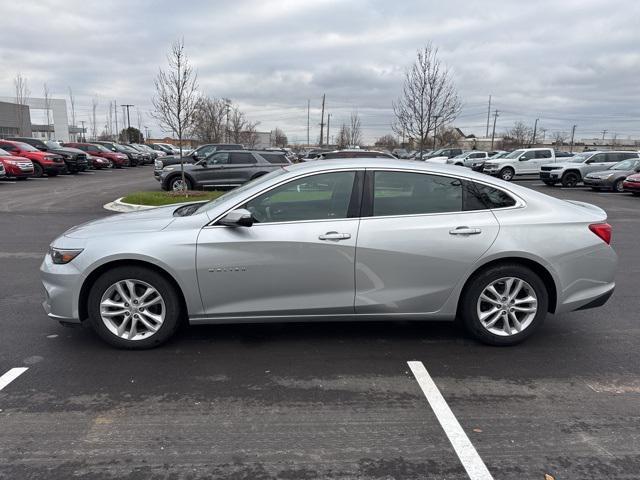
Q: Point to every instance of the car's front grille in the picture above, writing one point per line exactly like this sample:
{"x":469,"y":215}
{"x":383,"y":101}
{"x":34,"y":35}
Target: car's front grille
{"x":546,"y":169}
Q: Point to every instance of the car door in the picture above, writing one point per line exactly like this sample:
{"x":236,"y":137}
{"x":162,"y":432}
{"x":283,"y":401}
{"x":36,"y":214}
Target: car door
{"x":416,"y":241}
{"x":542,"y":157}
{"x":240,"y":168}
{"x":526,"y":163}
{"x":210,"y":171}
{"x":598,"y":162}
{"x":296,"y":259}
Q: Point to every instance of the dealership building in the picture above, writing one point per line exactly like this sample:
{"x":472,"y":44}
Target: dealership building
{"x":14,"y":120}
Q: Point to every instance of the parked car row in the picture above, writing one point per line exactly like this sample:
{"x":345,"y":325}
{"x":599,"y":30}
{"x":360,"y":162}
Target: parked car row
{"x":23,"y":157}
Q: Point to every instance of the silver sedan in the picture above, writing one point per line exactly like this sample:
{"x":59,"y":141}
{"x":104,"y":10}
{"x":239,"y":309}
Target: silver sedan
{"x":337,"y":240}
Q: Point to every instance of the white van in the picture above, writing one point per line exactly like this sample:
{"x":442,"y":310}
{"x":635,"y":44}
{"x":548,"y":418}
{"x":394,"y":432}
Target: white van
{"x":525,"y":161}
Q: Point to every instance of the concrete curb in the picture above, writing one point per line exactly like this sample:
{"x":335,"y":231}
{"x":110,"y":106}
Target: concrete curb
{"x":121,"y":207}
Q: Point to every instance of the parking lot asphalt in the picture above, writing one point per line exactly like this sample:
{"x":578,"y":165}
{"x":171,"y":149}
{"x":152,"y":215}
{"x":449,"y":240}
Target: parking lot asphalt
{"x":321,"y":400}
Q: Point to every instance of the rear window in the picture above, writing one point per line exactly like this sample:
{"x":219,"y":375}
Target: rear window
{"x":274,"y":157}
{"x":481,"y":197}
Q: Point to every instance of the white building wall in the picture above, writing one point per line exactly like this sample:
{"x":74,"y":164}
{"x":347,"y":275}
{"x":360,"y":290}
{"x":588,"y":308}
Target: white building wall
{"x":59,"y":117}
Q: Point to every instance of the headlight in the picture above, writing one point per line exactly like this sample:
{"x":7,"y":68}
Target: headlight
{"x":609,"y":176}
{"x":168,"y":169}
{"x":61,"y":256}
{"x":158,"y":165}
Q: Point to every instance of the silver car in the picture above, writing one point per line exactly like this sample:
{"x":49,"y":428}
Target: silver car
{"x":337,"y":240}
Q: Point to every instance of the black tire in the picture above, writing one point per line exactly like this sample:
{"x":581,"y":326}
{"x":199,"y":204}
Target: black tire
{"x":549,"y":184}
{"x":507,"y":174}
{"x":178,"y":178}
{"x":618,"y":187}
{"x":477,"y":284}
{"x":570,"y":179}
{"x":38,"y":171}
{"x":173,"y":306}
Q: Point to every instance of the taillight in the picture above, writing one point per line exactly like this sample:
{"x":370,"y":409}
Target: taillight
{"x":603,"y":230}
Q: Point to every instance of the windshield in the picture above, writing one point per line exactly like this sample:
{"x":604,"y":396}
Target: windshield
{"x":238,"y":191}
{"x":514,"y":154}
{"x":51,"y":144}
{"x":580,"y":158}
{"x":626,"y":165}
{"x":102,"y":148}
{"x":463,"y":155}
{"x":4,"y":153}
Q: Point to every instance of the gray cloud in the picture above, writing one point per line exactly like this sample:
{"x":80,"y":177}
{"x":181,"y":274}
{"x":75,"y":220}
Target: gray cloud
{"x":570,"y":62}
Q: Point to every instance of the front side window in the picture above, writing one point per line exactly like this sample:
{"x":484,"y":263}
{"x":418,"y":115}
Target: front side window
{"x":406,"y":193}
{"x":317,"y":197}
{"x":206,"y":151}
{"x":218,"y":159}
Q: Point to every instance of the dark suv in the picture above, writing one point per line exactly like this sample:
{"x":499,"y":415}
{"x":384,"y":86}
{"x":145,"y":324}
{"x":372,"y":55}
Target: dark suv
{"x":203,"y":151}
{"x":226,"y":168}
{"x":135,"y":157}
{"x":74,"y":159}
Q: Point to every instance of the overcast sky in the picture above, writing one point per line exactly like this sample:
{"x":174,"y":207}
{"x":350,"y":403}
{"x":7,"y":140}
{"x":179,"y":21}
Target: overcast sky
{"x":569,"y":62}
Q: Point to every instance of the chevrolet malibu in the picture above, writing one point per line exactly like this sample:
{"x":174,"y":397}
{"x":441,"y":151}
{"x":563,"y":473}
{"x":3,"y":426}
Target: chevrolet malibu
{"x":337,"y":240}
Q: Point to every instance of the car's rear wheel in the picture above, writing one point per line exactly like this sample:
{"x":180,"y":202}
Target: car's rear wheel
{"x":134,"y":307}
{"x":38,"y":171}
{"x":177,"y":185}
{"x":618,"y":187}
{"x":507,"y":174}
{"x":504,"y":305}
{"x":570,"y":179}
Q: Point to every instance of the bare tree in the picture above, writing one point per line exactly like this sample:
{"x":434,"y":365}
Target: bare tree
{"x":518,"y":136}
{"x":279,"y":138}
{"x":209,"y":122}
{"x":429,"y":98}
{"x":72,"y":104}
{"x":343,"y":137}
{"x":559,"y":138}
{"x":22,"y":97}
{"x":249,"y":137}
{"x":176,"y":100}
{"x":449,"y":137}
{"x":47,"y":108}
{"x":139,"y":119}
{"x":387,"y":141}
{"x":355,"y":130}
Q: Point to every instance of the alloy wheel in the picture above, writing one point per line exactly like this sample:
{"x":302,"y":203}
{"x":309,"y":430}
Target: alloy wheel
{"x":506,"y":174}
{"x":618,"y":186}
{"x":178,"y":185}
{"x":132,"y":309}
{"x":507,"y":306}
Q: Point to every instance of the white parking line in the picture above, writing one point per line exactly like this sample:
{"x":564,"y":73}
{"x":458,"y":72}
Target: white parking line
{"x":471,"y":461}
{"x":11,"y":375}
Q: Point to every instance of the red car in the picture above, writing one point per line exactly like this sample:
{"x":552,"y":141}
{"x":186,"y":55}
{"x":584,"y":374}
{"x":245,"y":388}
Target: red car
{"x":118,"y":160}
{"x":98,"y":163}
{"x":43,"y":162}
{"x":16,"y":167}
{"x":632,"y":184}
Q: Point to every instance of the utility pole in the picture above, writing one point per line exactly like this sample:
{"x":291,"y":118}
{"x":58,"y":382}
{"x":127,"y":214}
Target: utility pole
{"x":308,"y":118}
{"x":535,"y":129}
{"x":604,"y":132}
{"x":435,"y":129}
{"x":488,"y":115}
{"x":493,"y":132}
{"x":128,"y":120}
{"x":228,"y":132}
{"x":115,"y":114}
{"x":146,"y":133}
{"x":84,"y":139}
{"x":573,"y":131}
{"x":322,"y":121}
{"x":328,"y":124}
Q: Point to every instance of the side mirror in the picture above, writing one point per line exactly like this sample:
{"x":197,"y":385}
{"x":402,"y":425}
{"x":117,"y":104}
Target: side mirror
{"x":194,"y":155}
{"x":240,"y":217}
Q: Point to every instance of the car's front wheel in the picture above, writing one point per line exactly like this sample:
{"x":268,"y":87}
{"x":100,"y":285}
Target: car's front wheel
{"x":504,"y":305}
{"x":177,"y":185}
{"x":618,"y":186}
{"x":507,"y":174}
{"x":38,"y":171}
{"x":570,"y":179}
{"x":134,"y":308}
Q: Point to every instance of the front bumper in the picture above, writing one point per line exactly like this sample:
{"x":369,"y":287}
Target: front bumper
{"x":62,"y":285}
{"x":550,"y":175}
{"x":56,"y":168}
{"x":596,"y":182}
{"x":631,"y":186}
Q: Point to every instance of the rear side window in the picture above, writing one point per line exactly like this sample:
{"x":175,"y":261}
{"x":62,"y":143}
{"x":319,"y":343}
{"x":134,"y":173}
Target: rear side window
{"x":404,"y":193}
{"x":274,"y":157}
{"x":543,"y":154}
{"x":481,"y":197}
{"x":242,"y":158}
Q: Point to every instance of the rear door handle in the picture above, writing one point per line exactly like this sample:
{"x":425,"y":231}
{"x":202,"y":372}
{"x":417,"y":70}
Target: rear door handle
{"x":465,"y":231}
{"x":335,"y":236}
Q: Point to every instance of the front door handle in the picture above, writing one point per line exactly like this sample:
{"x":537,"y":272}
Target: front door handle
{"x":335,"y":236}
{"x":465,"y":231}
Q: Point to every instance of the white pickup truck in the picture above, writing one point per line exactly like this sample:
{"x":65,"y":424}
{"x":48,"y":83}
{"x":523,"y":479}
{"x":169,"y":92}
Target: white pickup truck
{"x":525,"y":161}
